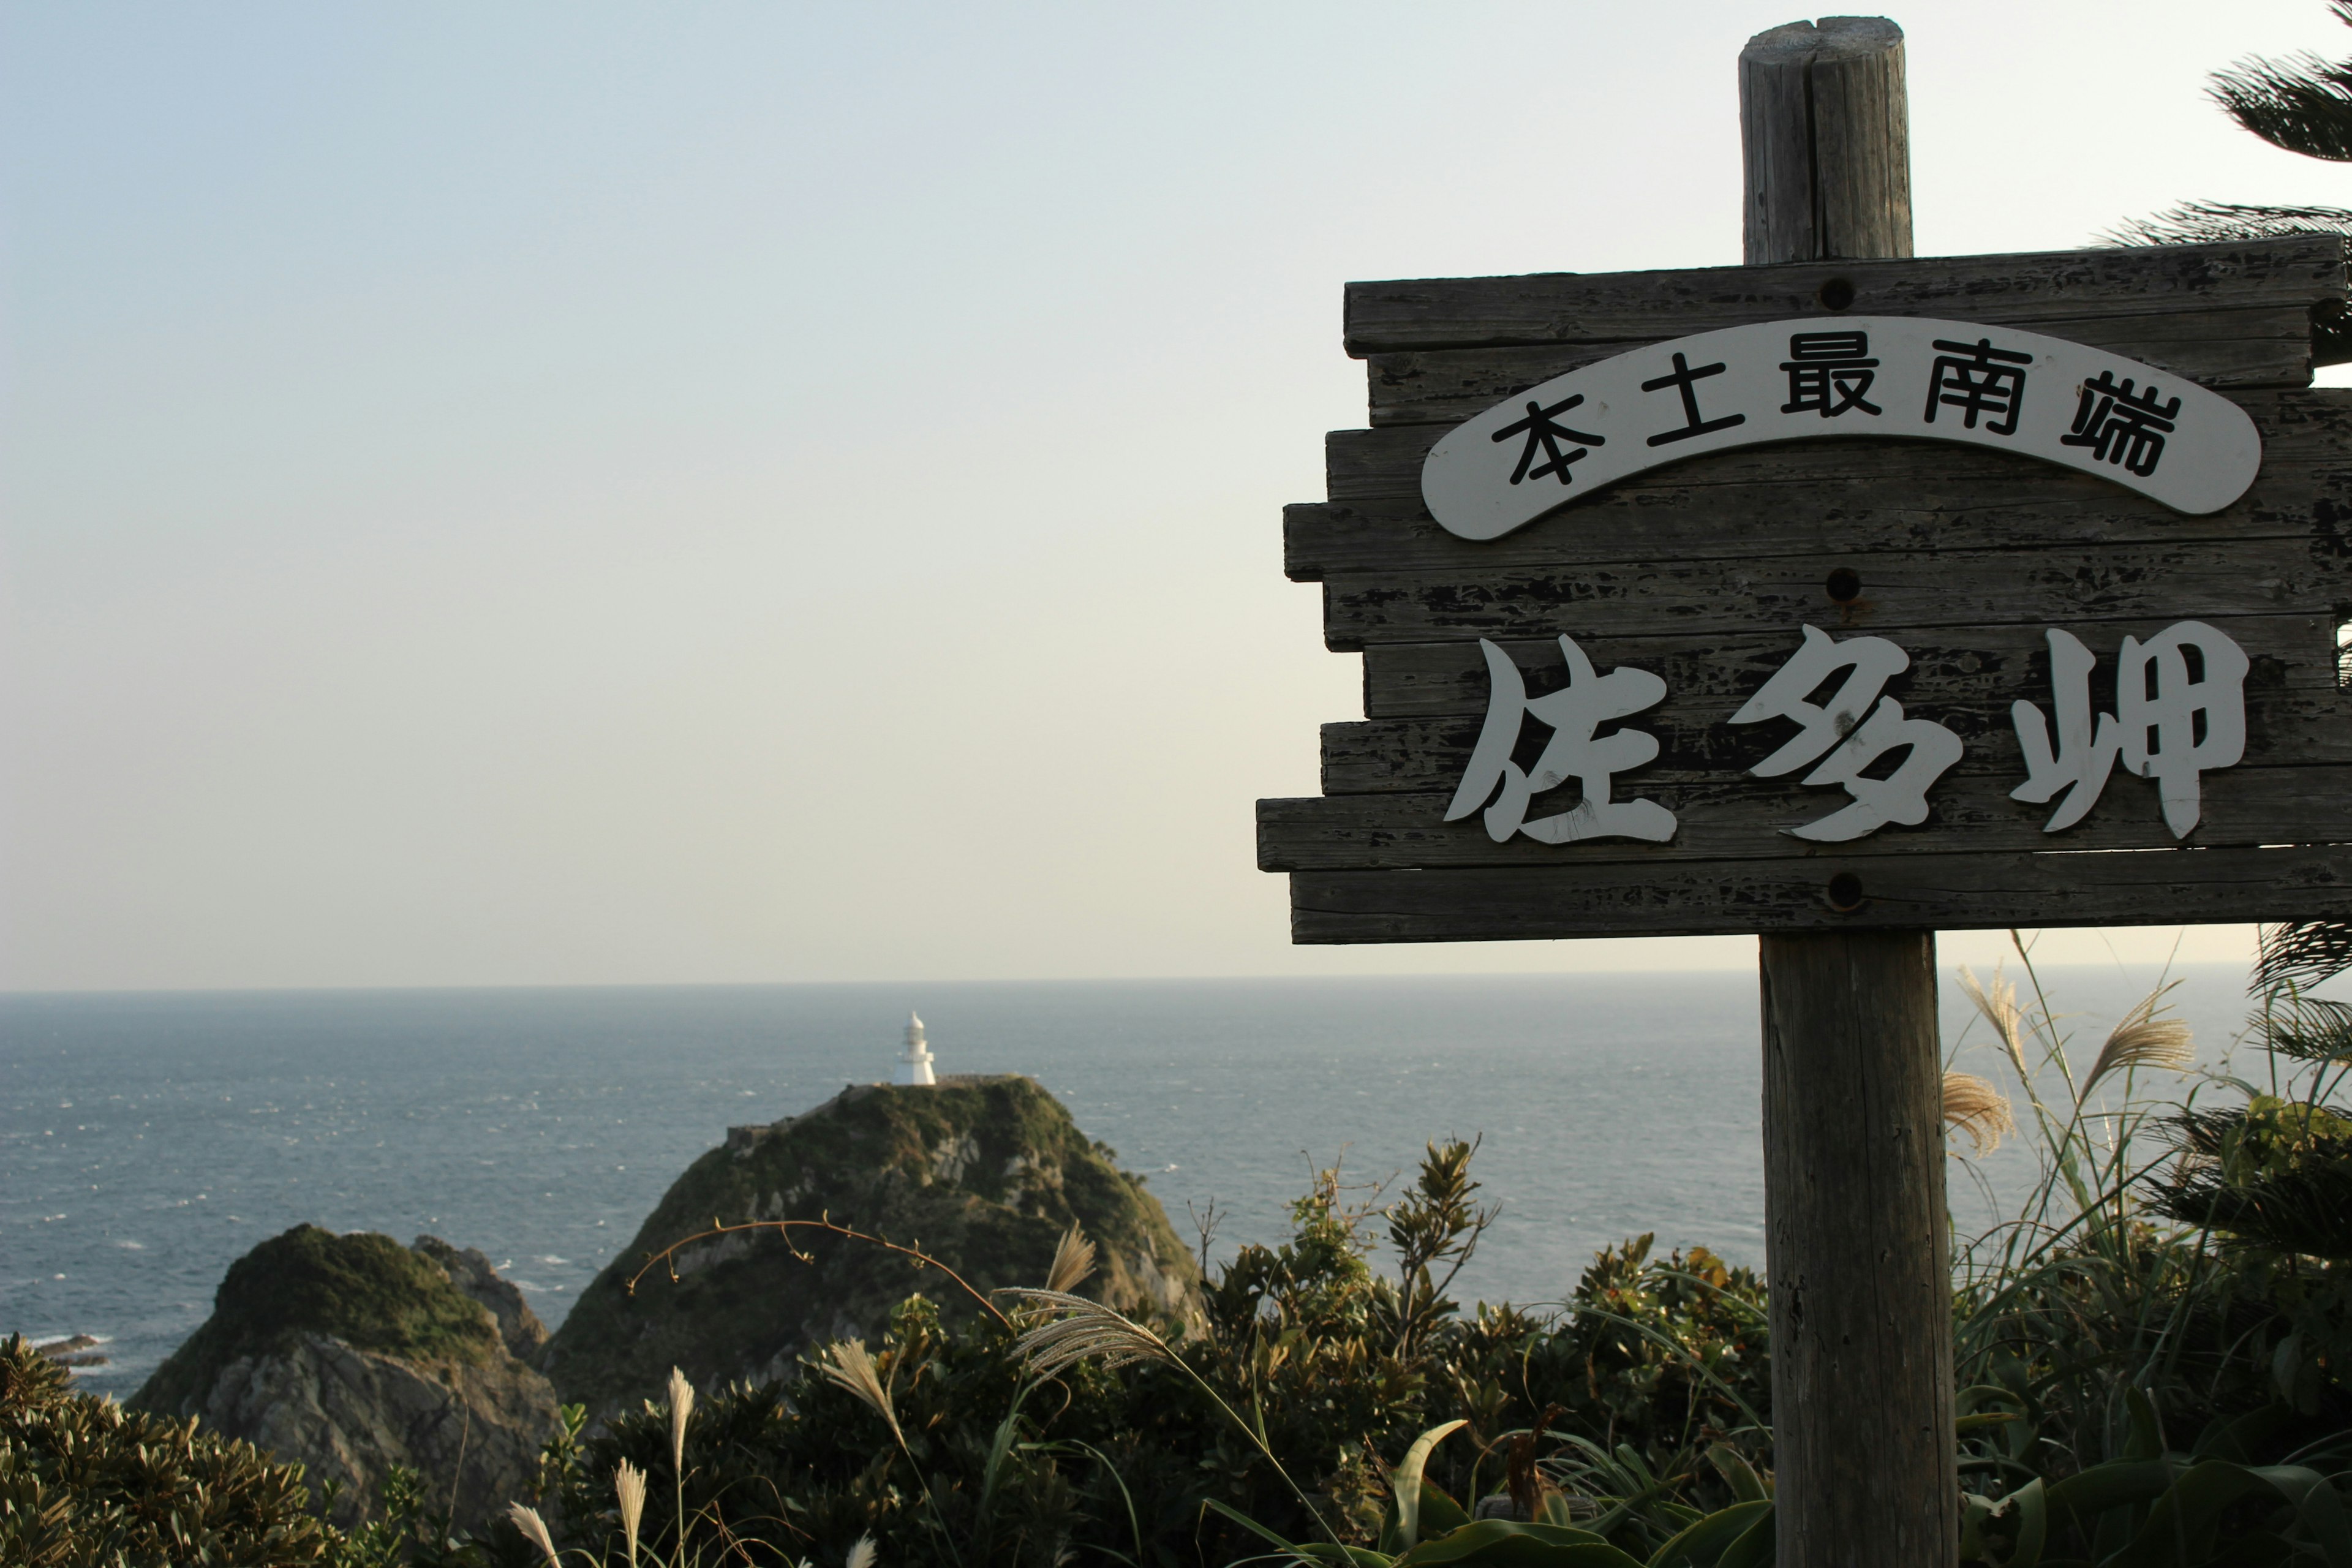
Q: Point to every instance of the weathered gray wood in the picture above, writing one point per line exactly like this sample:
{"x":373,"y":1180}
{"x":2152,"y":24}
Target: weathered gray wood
{"x":2064,"y":585}
{"x":1729,"y":816}
{"x":1828,"y":100}
{"x":1711,"y":673}
{"x":1410,"y":756}
{"x":2050,"y":291}
{"x":1899,"y":890}
{"x":1856,"y":1234}
{"x":1854,"y":1190}
{"x":1780,"y":219}
{"x":2265,"y":346}
{"x":1805,"y":497}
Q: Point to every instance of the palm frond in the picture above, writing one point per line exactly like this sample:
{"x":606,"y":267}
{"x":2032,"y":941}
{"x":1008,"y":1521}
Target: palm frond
{"x":2304,"y":953}
{"x":2302,"y":103}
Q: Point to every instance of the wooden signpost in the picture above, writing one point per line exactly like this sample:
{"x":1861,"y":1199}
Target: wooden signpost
{"x":1837,"y":598}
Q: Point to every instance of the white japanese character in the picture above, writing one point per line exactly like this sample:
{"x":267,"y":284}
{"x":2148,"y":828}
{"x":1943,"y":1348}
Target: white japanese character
{"x":1850,"y":733}
{"x":1574,"y":712}
{"x":2153,"y":729}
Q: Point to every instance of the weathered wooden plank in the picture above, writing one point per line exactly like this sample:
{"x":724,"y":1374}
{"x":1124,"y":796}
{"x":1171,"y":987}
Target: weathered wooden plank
{"x":2246,"y":348}
{"x":1809,"y":496}
{"x":2071,"y":585}
{"x":1890,"y":891}
{"x":1987,"y":666}
{"x":1694,"y":741}
{"x":1732,"y":816}
{"x":2046,"y":291}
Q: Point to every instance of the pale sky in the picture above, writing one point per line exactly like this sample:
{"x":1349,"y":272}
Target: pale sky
{"x":575,"y":494}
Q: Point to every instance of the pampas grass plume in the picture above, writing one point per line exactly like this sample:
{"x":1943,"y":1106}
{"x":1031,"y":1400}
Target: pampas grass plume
{"x":1974,"y":1107}
{"x":534,"y":1529}
{"x":681,"y":1408}
{"x":860,"y":1555}
{"x":1998,"y":1003}
{"x":2142,"y":1039}
{"x":847,"y":1365}
{"x":1083,"y":1330}
{"x":1073,"y":1260}
{"x":629,"y":1487}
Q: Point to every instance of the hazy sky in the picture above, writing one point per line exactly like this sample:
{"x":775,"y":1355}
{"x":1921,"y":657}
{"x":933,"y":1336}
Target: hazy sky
{"x":540,"y":493}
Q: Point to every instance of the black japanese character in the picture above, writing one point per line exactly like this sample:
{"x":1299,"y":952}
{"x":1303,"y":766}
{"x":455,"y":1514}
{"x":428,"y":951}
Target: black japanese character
{"x":1682,"y":378}
{"x":1829,"y":372}
{"x":2119,"y":428}
{"x":1966,"y":377}
{"x":1545,"y":434}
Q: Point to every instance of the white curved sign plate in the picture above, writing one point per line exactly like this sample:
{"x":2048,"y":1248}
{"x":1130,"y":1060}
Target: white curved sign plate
{"x":2062,"y":402}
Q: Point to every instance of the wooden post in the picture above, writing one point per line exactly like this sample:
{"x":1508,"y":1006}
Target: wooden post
{"x":1858,"y":1248}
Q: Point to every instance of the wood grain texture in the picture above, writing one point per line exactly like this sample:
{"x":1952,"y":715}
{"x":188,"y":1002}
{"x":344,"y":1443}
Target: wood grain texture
{"x":2049,"y":291}
{"x":1710,"y":673}
{"x":1696,"y":746}
{"x":1719,"y":897}
{"x":2250,"y":347}
{"x":1780,"y":219}
{"x":1854,"y":1197}
{"x":2076,"y":586}
{"x":1856,"y":1234}
{"x":1804,"y":497}
{"x":1730,"y":816}
{"x":1862,"y":143}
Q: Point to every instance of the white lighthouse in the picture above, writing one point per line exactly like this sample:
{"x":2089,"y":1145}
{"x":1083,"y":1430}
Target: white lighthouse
{"x":915,"y":1067}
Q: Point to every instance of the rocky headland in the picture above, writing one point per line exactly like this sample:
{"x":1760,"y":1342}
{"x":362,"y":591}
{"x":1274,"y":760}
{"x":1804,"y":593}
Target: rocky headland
{"x":985,"y":1173}
{"x":352,"y":1354}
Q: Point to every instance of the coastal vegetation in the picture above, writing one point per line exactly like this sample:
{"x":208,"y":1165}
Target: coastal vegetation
{"x":2152,"y":1351}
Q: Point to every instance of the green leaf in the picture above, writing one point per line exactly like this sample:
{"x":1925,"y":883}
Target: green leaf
{"x":1507,"y":1543}
{"x":1405,"y":1479}
{"x":1756,"y":1549}
{"x":1703,"y":1544}
{"x":1741,"y":1477}
{"x":1968,"y":1423}
{"x":2118,"y":1483}
{"x":2029,"y":1503}
{"x":1349,"y":1556}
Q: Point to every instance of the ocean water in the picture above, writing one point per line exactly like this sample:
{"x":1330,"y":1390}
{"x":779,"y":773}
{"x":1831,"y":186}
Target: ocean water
{"x":148,"y":1140}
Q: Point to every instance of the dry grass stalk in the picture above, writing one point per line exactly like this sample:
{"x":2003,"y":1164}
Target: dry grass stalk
{"x":681,"y":1407}
{"x":860,"y":1555}
{"x":533,"y":1528}
{"x":2142,"y":1039}
{"x":1998,"y":1003}
{"x":847,"y":1365}
{"x":629,"y":1487}
{"x":1073,"y":1260}
{"x":1083,"y":1331}
{"x":1972,"y":1106}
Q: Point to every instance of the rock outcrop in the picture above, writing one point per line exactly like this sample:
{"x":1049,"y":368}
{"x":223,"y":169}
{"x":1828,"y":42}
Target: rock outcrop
{"x":983,"y":1174}
{"x":353,"y":1353}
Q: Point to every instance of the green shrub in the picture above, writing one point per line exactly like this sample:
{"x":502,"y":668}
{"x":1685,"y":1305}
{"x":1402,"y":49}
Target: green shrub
{"x":82,"y":1482}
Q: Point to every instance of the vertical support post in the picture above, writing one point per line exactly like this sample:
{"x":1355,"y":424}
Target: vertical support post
{"x":1857,"y":1244}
